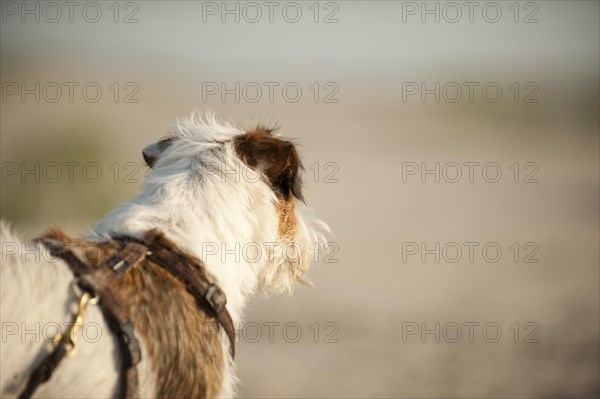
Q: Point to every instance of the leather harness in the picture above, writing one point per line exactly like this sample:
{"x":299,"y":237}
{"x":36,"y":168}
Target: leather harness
{"x":97,"y":282}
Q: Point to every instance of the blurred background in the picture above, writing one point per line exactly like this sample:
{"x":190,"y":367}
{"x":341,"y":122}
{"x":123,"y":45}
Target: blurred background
{"x":453,"y":149}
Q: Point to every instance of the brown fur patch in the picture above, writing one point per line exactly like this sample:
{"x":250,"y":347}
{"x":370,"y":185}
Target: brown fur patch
{"x":275,"y":157}
{"x":287,"y":218}
{"x":183,"y":342}
{"x":280,"y":163}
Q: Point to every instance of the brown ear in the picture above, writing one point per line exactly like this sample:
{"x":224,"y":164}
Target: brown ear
{"x":152,"y":151}
{"x":276,"y":158}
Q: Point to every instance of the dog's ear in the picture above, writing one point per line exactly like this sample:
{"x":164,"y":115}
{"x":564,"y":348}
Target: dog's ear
{"x":276,"y":158}
{"x":152,"y":151}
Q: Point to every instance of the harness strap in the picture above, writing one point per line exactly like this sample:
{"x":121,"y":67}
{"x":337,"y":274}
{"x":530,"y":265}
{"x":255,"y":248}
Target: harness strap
{"x":44,"y":371}
{"x":197,"y":285}
{"x":122,"y":327}
{"x":97,"y":281}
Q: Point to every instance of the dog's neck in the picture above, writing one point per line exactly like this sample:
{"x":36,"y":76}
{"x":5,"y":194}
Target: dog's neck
{"x":213,"y":226}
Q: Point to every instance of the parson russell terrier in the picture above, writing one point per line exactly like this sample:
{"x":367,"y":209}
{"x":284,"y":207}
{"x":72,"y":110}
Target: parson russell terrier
{"x":210,"y":186}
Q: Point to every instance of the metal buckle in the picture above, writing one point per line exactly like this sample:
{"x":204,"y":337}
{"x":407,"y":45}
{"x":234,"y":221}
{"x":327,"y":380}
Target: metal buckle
{"x":128,"y":256}
{"x":209,"y":296}
{"x":69,"y":340}
{"x":119,"y":267}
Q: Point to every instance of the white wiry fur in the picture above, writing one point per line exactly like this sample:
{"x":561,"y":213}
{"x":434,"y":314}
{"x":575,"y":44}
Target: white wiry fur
{"x":203,"y":197}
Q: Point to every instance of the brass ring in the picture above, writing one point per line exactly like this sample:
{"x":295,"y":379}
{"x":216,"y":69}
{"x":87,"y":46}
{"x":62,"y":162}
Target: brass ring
{"x":78,"y":291}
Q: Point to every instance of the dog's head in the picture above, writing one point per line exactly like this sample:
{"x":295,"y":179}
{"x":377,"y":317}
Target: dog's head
{"x":249,"y":181}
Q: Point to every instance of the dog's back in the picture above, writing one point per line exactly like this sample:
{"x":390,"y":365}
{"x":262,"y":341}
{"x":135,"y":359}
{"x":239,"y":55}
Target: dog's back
{"x":35,"y":304}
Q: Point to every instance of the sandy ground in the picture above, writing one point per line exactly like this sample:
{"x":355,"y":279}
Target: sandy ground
{"x":359,"y":332}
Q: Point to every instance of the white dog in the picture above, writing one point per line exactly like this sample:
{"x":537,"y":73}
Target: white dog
{"x":212,"y":190}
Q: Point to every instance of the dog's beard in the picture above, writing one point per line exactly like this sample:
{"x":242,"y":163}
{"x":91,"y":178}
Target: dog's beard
{"x":295,"y":254}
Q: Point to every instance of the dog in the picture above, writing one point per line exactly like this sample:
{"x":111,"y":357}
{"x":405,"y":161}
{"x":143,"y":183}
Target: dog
{"x":227,"y":200}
